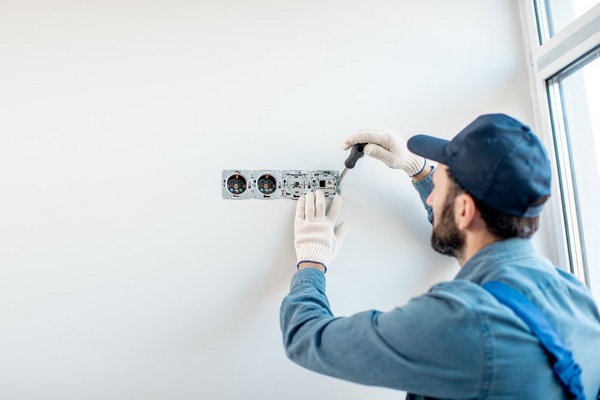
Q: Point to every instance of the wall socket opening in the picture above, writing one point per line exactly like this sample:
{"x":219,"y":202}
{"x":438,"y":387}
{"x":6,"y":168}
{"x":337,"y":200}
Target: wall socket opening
{"x":266,"y":184}
{"x":237,"y":184}
{"x":274,"y":184}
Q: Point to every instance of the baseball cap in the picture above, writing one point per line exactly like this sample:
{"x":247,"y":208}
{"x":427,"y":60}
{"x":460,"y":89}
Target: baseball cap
{"x":497,"y":159}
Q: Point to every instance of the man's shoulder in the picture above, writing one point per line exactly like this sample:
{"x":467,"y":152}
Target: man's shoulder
{"x":458,"y":299}
{"x":462,"y":291}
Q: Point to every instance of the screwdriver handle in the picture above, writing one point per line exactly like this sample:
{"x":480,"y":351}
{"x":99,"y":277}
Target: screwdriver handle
{"x":356,"y":154}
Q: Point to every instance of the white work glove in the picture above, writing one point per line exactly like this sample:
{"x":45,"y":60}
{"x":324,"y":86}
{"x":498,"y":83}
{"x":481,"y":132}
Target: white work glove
{"x":316,"y":238}
{"x":385,"y":145}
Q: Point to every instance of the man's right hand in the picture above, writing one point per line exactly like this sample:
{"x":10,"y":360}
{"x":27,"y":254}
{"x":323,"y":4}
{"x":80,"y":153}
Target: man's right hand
{"x":385,"y":145}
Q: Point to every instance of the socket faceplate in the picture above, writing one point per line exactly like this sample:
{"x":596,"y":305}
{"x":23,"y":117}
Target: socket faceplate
{"x":274,"y":184}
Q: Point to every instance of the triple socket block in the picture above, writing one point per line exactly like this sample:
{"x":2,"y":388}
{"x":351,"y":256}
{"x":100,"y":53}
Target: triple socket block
{"x":265,"y":184}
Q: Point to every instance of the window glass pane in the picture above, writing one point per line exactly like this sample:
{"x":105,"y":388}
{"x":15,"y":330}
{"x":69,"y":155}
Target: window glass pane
{"x":578,"y":91}
{"x":554,"y":15}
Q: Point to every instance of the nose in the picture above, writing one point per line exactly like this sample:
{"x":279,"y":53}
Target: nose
{"x":429,"y":199}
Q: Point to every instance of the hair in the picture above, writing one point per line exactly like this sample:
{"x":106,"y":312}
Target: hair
{"x":500,"y":224}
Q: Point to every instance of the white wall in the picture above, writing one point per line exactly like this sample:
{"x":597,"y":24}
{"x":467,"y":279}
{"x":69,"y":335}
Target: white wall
{"x":123,"y":273}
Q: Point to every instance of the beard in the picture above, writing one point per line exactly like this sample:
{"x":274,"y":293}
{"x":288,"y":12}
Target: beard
{"x":446,"y":239}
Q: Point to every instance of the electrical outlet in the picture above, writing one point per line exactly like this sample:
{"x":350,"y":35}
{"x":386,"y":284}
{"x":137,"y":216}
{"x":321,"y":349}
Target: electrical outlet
{"x":236,"y":184}
{"x":274,"y":184}
{"x":266,"y":184}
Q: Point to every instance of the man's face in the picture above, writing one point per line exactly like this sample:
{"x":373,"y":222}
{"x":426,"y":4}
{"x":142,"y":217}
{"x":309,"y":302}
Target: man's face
{"x":446,"y":238}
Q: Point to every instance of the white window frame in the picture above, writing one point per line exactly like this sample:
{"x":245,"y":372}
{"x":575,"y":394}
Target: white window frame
{"x":545,"y":61}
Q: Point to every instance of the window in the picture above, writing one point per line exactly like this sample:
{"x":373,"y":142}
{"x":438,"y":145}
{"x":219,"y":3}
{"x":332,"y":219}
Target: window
{"x":554,"y":15}
{"x":577,"y":139}
{"x":564,"y":43}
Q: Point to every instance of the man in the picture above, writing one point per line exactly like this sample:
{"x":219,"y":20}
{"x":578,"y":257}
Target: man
{"x":457,"y":341}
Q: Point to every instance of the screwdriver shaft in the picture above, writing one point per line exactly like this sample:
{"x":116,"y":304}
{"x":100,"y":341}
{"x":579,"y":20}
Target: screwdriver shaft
{"x":343,"y":174}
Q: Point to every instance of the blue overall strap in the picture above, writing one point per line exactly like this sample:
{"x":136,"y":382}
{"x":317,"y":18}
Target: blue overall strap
{"x":561,"y":359}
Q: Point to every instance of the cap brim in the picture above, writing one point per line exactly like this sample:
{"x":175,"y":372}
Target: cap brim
{"x":430,"y":147}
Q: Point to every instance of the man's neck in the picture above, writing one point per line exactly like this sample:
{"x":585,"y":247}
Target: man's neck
{"x":474,"y":244}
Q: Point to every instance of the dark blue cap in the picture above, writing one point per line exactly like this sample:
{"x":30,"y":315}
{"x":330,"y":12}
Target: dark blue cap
{"x":497,"y":159}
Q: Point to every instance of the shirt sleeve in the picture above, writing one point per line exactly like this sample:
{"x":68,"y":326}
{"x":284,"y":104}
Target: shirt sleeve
{"x":434,"y":345}
{"x":424,"y":188}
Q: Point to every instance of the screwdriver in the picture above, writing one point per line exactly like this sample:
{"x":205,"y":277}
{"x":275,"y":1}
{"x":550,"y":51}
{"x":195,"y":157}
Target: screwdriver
{"x":356,"y":154}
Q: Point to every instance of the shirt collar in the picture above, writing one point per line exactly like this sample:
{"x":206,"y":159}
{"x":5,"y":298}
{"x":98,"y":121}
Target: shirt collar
{"x":494,"y":254}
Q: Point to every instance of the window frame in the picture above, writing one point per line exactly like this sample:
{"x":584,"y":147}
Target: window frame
{"x":545,"y":61}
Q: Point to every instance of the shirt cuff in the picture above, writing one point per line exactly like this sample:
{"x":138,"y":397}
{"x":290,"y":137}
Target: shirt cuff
{"x":311,"y":276}
{"x":424,"y":188}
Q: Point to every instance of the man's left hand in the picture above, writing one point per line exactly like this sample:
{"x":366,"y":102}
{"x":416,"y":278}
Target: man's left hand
{"x":316,"y":237}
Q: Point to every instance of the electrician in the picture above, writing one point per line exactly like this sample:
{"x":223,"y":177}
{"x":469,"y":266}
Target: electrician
{"x":462,"y":339}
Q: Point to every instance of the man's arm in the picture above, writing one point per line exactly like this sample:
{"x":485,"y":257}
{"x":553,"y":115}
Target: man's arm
{"x":419,"y":348}
{"x":423,"y":183}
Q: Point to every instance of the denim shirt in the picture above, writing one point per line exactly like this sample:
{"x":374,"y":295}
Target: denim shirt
{"x":456,"y":341}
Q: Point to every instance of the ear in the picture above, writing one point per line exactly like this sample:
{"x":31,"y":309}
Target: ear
{"x":465,"y":211}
